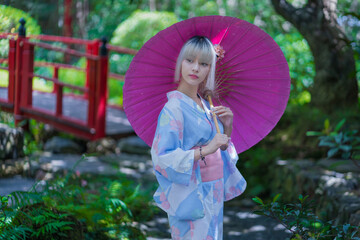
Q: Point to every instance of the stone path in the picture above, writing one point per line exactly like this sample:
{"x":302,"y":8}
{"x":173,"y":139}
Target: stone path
{"x":77,"y":108}
{"x":239,"y":222}
{"x":16,"y":183}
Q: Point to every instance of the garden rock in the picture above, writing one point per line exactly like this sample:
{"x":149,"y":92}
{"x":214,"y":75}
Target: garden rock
{"x":103,"y":146}
{"x":355,"y":219}
{"x":11,"y":142}
{"x":134,"y":145}
{"x":339,"y":165}
{"x":62,"y":145}
{"x":337,"y":193}
{"x":12,"y":167}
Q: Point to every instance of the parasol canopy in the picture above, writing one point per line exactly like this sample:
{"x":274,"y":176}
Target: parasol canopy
{"x":252,"y":78}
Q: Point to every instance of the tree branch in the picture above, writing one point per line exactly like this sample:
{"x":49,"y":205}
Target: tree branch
{"x":291,"y":13}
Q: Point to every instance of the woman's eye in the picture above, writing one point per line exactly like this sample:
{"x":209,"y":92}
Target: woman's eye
{"x":205,"y":64}
{"x":189,"y":60}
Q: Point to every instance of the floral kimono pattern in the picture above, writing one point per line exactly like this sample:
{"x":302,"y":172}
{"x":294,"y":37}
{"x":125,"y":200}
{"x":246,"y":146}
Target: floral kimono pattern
{"x":195,"y":208}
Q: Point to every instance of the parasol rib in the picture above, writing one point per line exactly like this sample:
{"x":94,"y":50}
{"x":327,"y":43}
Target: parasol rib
{"x":177,"y":30}
{"x":155,"y":65}
{"x":154,"y":76}
{"x":260,"y":89}
{"x":255,"y":111}
{"x":165,"y":40}
{"x":247,"y":122}
{"x":160,"y":54}
{"x":256,"y":68}
{"x":256,"y":99}
{"x":240,"y":53}
{"x":141,"y":101}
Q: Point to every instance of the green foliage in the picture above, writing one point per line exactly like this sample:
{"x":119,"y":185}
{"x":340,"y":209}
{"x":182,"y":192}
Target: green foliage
{"x":349,"y":19}
{"x":9,"y":23}
{"x":34,"y":139}
{"x":300,"y":220}
{"x":133,"y":33}
{"x":301,"y":65}
{"x":4,"y":77}
{"x":345,"y":142}
{"x":140,"y":27}
{"x":255,"y":164}
{"x":42,"y":54}
{"x":29,"y":218}
{"x":101,"y":23}
{"x":76,"y":207}
{"x":9,"y":20}
{"x":7,"y":118}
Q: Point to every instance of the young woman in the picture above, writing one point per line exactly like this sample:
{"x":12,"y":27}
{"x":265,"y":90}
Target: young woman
{"x":194,"y":165}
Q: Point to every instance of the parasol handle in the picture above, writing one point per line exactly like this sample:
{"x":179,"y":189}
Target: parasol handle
{"x":213,"y":114}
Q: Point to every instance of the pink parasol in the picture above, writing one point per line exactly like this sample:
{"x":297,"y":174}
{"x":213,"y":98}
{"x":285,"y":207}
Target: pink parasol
{"x":252,"y":78}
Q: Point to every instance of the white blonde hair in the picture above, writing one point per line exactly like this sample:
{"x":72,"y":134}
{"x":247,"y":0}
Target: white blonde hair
{"x":203,"y":48}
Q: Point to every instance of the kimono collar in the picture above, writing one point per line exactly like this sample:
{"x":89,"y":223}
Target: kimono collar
{"x":185,"y":98}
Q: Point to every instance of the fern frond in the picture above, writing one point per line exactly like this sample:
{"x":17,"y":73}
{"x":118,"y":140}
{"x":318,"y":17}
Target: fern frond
{"x":21,"y":198}
{"x":52,"y":228}
{"x":15,"y":233}
{"x":134,"y":194}
{"x":117,"y":203}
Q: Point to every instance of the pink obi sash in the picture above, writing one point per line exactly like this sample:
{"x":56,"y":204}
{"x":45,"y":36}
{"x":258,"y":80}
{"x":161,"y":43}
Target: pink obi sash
{"x":213,"y":169}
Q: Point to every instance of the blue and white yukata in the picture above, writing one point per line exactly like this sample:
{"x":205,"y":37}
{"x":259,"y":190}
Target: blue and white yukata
{"x":194,"y":207}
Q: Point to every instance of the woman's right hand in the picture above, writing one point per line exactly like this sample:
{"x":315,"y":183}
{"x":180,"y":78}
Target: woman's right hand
{"x":218,"y":141}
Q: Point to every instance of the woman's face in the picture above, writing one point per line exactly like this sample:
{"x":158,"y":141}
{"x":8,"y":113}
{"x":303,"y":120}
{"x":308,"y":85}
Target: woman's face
{"x":193,"y":71}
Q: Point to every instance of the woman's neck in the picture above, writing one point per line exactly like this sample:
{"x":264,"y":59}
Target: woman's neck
{"x":190,"y":91}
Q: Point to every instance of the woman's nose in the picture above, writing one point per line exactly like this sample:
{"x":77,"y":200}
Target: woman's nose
{"x":196,"y":66}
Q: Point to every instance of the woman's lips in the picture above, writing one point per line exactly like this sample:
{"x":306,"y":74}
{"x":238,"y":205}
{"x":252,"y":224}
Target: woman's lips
{"x":193,"y":76}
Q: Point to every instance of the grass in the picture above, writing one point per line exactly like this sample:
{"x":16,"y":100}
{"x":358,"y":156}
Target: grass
{"x":4,"y":78}
{"x":39,"y":84}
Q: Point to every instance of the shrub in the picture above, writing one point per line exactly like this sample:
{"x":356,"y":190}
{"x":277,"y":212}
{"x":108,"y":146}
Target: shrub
{"x":344,"y":142}
{"x":9,"y":23}
{"x":30,"y":218}
{"x":300,"y":220}
{"x":76,"y":207}
{"x":140,"y":27}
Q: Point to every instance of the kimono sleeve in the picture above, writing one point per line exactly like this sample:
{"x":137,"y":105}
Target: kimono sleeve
{"x":234,"y":183}
{"x":169,"y":157}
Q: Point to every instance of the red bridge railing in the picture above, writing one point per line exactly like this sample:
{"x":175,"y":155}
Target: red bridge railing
{"x":21,"y":72}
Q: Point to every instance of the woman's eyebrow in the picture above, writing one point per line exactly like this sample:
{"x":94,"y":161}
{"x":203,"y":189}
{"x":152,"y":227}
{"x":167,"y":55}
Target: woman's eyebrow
{"x":191,"y":56}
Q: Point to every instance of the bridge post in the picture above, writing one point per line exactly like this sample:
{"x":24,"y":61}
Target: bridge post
{"x":56,"y":76}
{"x":91,"y":70}
{"x":12,"y":70}
{"x":18,"y":71}
{"x":27,"y":74}
{"x":101,"y":90}
{"x":93,"y":49}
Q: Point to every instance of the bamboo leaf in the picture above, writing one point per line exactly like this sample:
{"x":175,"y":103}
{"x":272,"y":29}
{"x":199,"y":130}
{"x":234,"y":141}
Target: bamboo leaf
{"x":258,"y":200}
{"x":339,"y":125}
{"x":276,"y":197}
{"x":313,"y":133}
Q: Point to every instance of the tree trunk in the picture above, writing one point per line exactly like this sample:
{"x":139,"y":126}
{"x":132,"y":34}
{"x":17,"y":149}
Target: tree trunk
{"x":335,"y":85}
{"x":82,"y":11}
{"x":68,"y":18}
{"x":152,"y":5}
{"x":222,"y":11}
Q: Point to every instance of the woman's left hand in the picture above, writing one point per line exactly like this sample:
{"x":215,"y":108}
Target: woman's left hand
{"x":225,"y":115}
